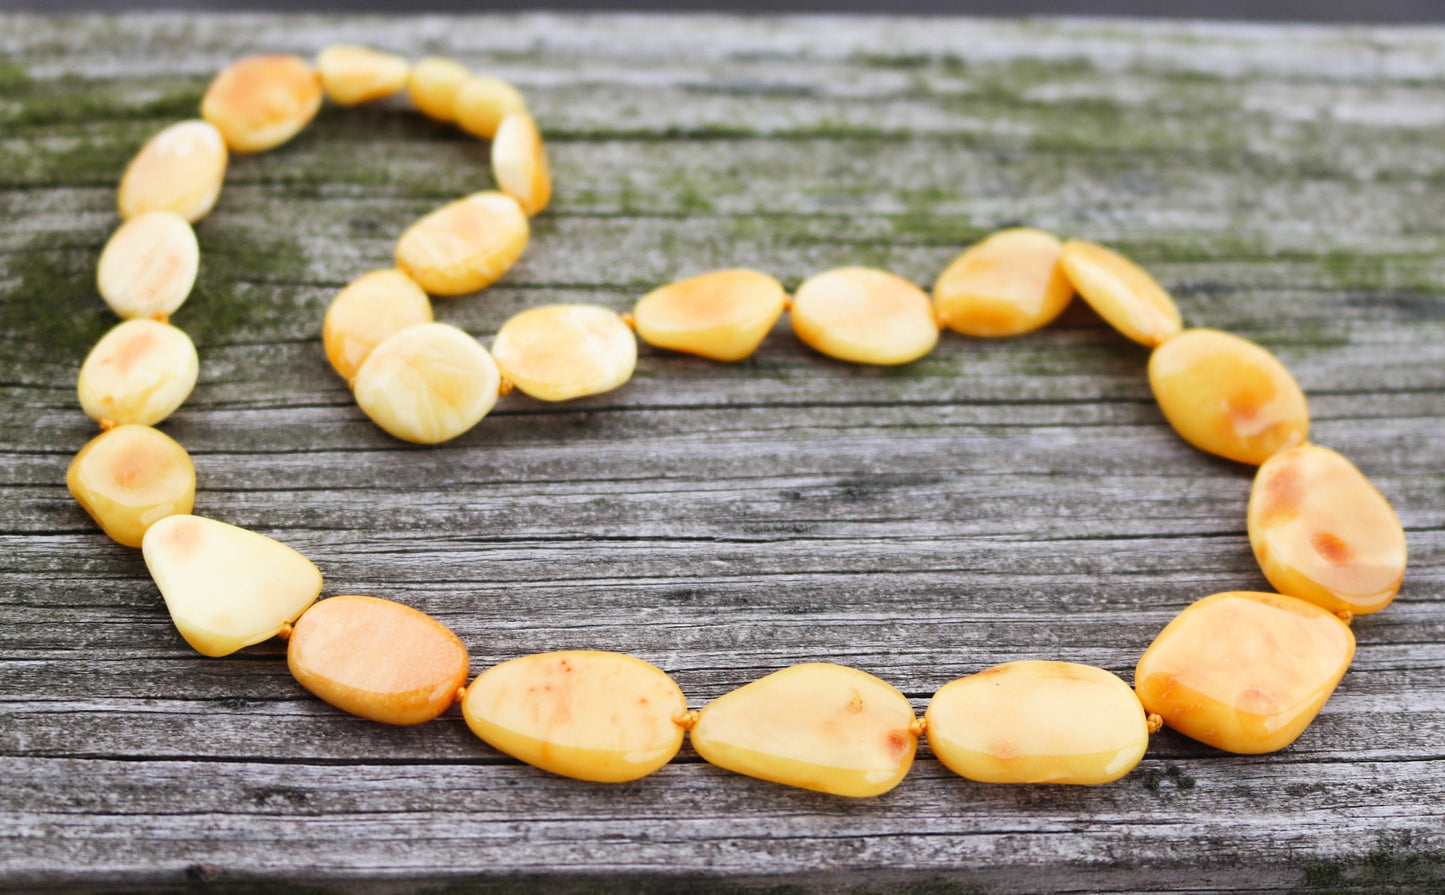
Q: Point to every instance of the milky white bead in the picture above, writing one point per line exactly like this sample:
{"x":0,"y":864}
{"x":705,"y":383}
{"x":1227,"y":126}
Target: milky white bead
{"x":559,"y":352}
{"x":434,"y":85}
{"x":180,"y":169}
{"x":351,"y":74}
{"x":260,"y":102}
{"x":483,"y":102}
{"x":464,"y":245}
{"x":130,"y":478}
{"x":865,"y":316}
{"x":370,"y":309}
{"x":149,"y":265}
{"x":519,"y":162}
{"x":427,"y":384}
{"x":139,"y":372}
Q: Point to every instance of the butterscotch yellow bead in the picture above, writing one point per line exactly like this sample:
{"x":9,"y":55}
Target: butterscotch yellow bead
{"x":1010,"y":283}
{"x":817,"y":726}
{"x":1038,"y":722}
{"x":149,"y":265}
{"x":483,"y":102}
{"x":1245,"y":672}
{"x":1228,"y":396}
{"x":519,"y":162}
{"x":434,"y":85}
{"x":427,"y":384}
{"x":372,"y":308}
{"x":1323,"y":533}
{"x":351,"y":75}
{"x":596,"y":716}
{"x":260,"y":102}
{"x":465,"y":245}
{"x":180,"y":169}
{"x":139,"y":372}
{"x":1121,"y":292}
{"x":865,"y":316}
{"x":560,"y":352}
{"x":130,"y":478}
{"x":723,"y":315}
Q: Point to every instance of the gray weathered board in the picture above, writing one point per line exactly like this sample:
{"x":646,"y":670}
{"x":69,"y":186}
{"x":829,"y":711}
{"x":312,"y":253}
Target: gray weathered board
{"x":997,"y":500}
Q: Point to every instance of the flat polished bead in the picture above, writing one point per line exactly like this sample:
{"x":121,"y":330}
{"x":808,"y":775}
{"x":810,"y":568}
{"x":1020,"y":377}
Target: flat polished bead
{"x":149,"y":265}
{"x":596,"y":716}
{"x":560,"y":352}
{"x":1008,"y":284}
{"x":1323,"y":533}
{"x":519,"y":162}
{"x":465,"y":245}
{"x":427,"y":384}
{"x":1228,"y":396}
{"x":351,"y":74}
{"x":1121,"y":292}
{"x":434,"y":85}
{"x":483,"y":102}
{"x":378,"y":659}
{"x":1038,"y":722}
{"x":139,"y":372}
{"x":817,"y":726}
{"x":1245,"y":672}
{"x":865,"y":316}
{"x":130,"y":478}
{"x":723,"y":315}
{"x":180,"y":169}
{"x":226,"y":587}
{"x":371,"y":309}
{"x":260,"y":102}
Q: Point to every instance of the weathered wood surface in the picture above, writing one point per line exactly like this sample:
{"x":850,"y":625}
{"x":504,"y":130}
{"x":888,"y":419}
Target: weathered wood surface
{"x":995,"y":501}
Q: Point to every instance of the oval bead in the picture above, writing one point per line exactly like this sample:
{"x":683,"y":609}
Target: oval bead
{"x":1121,"y":292}
{"x":226,"y":587}
{"x":139,"y":372}
{"x":559,"y":352}
{"x":1228,"y":396}
{"x":464,"y":245}
{"x":1038,"y":722}
{"x":1245,"y":672}
{"x":130,"y":478}
{"x":598,"y":716}
{"x":434,"y":85}
{"x":483,"y":102}
{"x":817,"y":726}
{"x":1323,"y":533}
{"x":351,"y":75}
{"x":723,"y":315}
{"x":149,"y":265}
{"x":180,"y":169}
{"x":381,"y":660}
{"x":519,"y":162}
{"x":427,"y":384}
{"x":371,"y":309}
{"x":1008,"y":284}
{"x":260,"y":102}
{"x":865,"y":316}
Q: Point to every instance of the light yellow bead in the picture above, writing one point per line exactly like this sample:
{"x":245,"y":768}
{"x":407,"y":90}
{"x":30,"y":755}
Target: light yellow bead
{"x":139,"y":372}
{"x":483,"y":102}
{"x":1323,"y":533}
{"x":434,"y":86}
{"x":519,"y":162}
{"x":427,"y":384}
{"x":1121,"y":292}
{"x":865,"y":316}
{"x":130,"y":478}
{"x":1228,"y":396}
{"x":1246,"y":672}
{"x":596,"y":716}
{"x":465,"y":245}
{"x":369,"y":310}
{"x":1038,"y":722}
{"x":180,"y":169}
{"x":351,"y":75}
{"x":723,"y":315}
{"x":260,"y":102}
{"x":1008,"y":284}
{"x":817,"y":726}
{"x":559,"y":352}
{"x":149,"y":265}
{"x":226,"y":587}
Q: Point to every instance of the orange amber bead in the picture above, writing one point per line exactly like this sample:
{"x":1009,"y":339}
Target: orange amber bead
{"x":260,"y":102}
{"x":1122,"y":292}
{"x":130,"y":478}
{"x":864,"y":316}
{"x":723,"y":314}
{"x":1008,"y":284}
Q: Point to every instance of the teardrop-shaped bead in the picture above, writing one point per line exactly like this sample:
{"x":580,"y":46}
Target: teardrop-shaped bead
{"x":371,"y":309}
{"x":1121,"y":292}
{"x":1323,"y":533}
{"x":1038,"y":722}
{"x":351,"y":74}
{"x":149,"y":265}
{"x":865,"y":316}
{"x":180,"y":169}
{"x":1008,"y":284}
{"x":597,"y":716}
{"x":260,"y":102}
{"x":434,"y":85}
{"x":724,"y":314}
{"x":559,"y":352}
{"x":130,"y":478}
{"x":139,"y":372}
{"x":378,"y":659}
{"x":519,"y":162}
{"x":465,"y":245}
{"x":817,"y":726}
{"x":226,"y":587}
{"x":427,"y":384}
{"x":483,"y":102}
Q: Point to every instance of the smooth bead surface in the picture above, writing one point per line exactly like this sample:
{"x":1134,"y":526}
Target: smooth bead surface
{"x":226,"y":587}
{"x":372,"y":308}
{"x":149,"y":265}
{"x":260,"y":102}
{"x":1038,"y":722}
{"x":1323,"y":533}
{"x":180,"y":169}
{"x":1121,"y":292}
{"x":130,"y":478}
{"x":139,"y":372}
{"x":596,"y":716}
{"x":1245,"y":672}
{"x":865,"y":316}
{"x":1228,"y":396}
{"x":724,"y":314}
{"x":817,"y":726}
{"x":559,"y":352}
{"x":427,"y":384}
{"x":1010,"y":283}
{"x":483,"y":102}
{"x":351,"y":75}
{"x":378,"y":659}
{"x":435,"y":83}
{"x":464,"y":245}
{"x":519,"y":162}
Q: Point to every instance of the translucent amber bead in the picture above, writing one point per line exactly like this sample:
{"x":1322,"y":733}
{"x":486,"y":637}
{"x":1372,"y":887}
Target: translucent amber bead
{"x":180,"y":169}
{"x":559,"y":352}
{"x":1038,"y":722}
{"x":865,"y":316}
{"x":519,"y":162}
{"x":817,"y":726}
{"x":1245,"y":672}
{"x":1321,"y":532}
{"x":149,"y":265}
{"x":139,"y":372}
{"x":465,"y":245}
{"x":351,"y":75}
{"x":260,"y":102}
{"x":483,"y":102}
{"x":226,"y":587}
{"x":427,"y":384}
{"x":434,"y":85}
{"x":1121,"y":292}
{"x":1010,"y":283}
{"x":130,"y":478}
{"x":369,"y":310}
{"x":1228,"y":396}
{"x":377,"y":659}
{"x":723,"y":315}
{"x":591,"y":715}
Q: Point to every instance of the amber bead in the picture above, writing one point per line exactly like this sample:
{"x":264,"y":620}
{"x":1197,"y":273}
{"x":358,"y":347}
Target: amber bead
{"x":260,"y":102}
{"x":464,"y":245}
{"x":865,"y":316}
{"x":1008,"y":284}
{"x":427,"y":384}
{"x":180,"y":170}
{"x":139,"y":372}
{"x":1121,"y":292}
{"x":560,"y":352}
{"x":723,"y":315}
{"x":130,"y":478}
{"x":371,"y":309}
